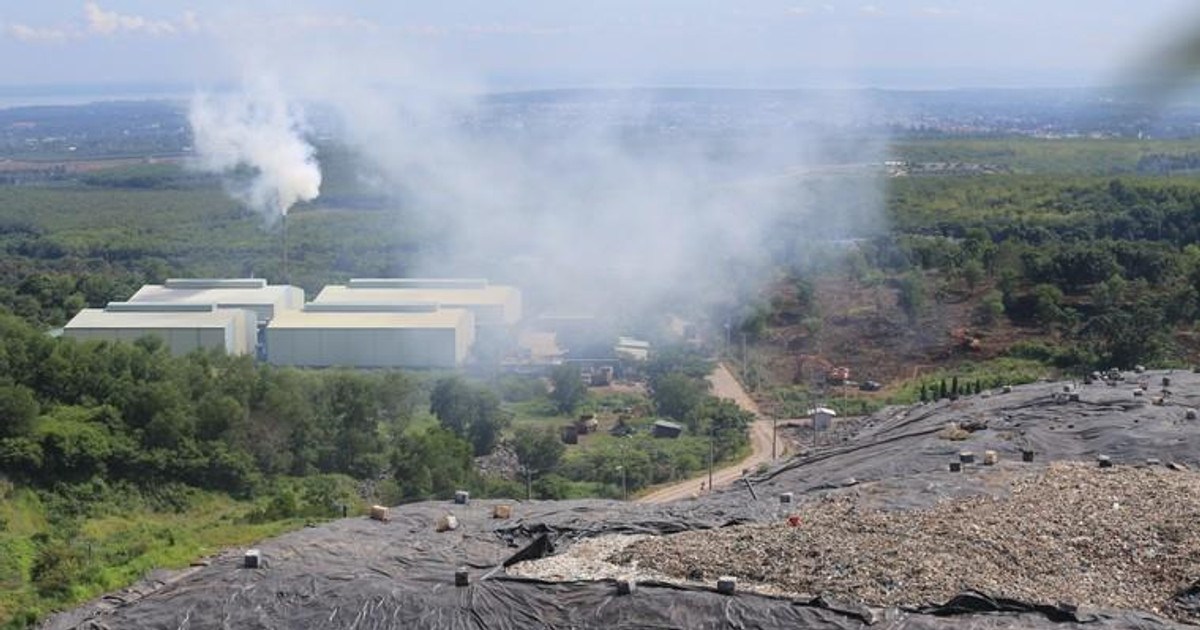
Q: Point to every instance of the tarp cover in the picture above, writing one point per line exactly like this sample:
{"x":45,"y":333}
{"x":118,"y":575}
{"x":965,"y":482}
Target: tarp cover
{"x":368,"y":575}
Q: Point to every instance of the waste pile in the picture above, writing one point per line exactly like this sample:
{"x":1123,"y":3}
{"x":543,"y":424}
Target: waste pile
{"x":885,"y":534}
{"x":1075,"y":533}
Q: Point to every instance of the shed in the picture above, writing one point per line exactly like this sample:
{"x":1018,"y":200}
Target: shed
{"x":666,"y":429}
{"x":822,"y":418}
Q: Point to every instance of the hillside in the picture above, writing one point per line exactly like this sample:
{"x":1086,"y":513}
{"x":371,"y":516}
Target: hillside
{"x":997,"y":278}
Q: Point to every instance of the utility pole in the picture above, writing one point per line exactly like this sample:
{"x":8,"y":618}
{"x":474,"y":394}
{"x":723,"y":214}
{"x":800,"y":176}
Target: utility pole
{"x":287,"y":276}
{"x":774,"y":434}
{"x":711,"y":450}
{"x":743,"y":355}
{"x":624,"y":484}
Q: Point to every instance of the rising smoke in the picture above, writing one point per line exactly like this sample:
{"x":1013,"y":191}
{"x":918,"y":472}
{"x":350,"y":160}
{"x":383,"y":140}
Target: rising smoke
{"x":594,"y":202}
{"x":256,"y":140}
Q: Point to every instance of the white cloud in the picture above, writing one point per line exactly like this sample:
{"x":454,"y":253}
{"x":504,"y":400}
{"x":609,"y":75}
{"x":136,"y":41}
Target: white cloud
{"x":515,"y":29}
{"x":330,"y":22}
{"x":805,"y":10}
{"x":871,"y":10}
{"x":111,"y":22}
{"x":938,"y":11}
{"x":32,"y":35}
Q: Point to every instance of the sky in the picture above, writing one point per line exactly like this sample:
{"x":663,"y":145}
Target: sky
{"x":505,"y":44}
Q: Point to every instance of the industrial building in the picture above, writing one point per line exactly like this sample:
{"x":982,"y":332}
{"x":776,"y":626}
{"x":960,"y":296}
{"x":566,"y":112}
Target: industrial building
{"x":371,"y":336}
{"x":381,"y":323}
{"x":253,"y":294}
{"x":183,"y":327}
{"x":493,"y":305}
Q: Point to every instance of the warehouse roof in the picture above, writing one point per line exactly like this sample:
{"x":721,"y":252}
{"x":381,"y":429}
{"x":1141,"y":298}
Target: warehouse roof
{"x":101,"y":318}
{"x":444,"y":318}
{"x":488,"y":295}
{"x":235,"y":292}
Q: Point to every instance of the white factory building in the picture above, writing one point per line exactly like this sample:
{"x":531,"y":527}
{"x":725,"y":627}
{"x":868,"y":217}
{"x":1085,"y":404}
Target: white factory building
{"x":183,"y":327}
{"x":493,"y":305}
{"x":371,"y":336}
{"x":367,"y":323}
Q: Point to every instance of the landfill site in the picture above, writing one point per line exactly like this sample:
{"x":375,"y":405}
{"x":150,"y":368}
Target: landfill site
{"x":1049,"y":505}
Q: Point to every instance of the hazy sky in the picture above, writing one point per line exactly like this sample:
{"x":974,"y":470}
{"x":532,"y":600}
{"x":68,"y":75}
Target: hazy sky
{"x":504,"y":43}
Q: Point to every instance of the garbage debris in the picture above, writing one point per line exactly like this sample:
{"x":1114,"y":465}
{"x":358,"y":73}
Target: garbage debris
{"x":1137,"y":556}
{"x":447,"y":523}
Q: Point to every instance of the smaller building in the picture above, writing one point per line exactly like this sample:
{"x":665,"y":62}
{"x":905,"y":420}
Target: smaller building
{"x":632,"y":349}
{"x":666,"y":429}
{"x":822,"y":418}
{"x":182,"y":327}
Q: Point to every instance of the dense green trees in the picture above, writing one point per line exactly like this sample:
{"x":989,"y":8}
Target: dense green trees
{"x":131,"y":411}
{"x":568,"y":388}
{"x":538,"y":450}
{"x":469,"y":411}
{"x":433,"y":464}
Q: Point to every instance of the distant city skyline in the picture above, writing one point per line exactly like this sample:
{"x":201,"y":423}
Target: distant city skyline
{"x":498,"y":45}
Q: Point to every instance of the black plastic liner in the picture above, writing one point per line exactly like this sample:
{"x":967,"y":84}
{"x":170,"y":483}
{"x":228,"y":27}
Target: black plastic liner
{"x":368,"y":575}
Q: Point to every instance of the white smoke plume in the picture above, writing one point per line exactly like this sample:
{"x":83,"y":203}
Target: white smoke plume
{"x":256,"y":139}
{"x":601,"y":204}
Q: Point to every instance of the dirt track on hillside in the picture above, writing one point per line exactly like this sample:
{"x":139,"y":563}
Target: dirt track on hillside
{"x":724,"y":385}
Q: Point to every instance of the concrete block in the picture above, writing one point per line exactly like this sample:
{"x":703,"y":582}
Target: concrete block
{"x":253,"y":559}
{"x":462,"y":577}
{"x":990,"y":458}
{"x":1104,"y":461}
{"x":726,"y":585}
{"x":380,"y":513}
{"x":786,"y":497}
{"x":966,"y":457}
{"x":462,"y":497}
{"x":626,"y":586}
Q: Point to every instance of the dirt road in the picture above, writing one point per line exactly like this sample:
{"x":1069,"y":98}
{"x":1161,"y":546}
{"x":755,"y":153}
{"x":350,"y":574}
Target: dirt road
{"x":724,"y":385}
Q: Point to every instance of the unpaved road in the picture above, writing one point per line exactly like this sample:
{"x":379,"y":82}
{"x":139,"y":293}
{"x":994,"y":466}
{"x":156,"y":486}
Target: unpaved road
{"x":724,"y":385}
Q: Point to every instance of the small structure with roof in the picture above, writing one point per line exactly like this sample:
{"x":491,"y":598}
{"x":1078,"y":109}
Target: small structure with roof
{"x":822,"y":418}
{"x":666,"y":429}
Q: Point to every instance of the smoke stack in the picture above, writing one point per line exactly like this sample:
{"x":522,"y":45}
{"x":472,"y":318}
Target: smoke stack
{"x":287,"y":276}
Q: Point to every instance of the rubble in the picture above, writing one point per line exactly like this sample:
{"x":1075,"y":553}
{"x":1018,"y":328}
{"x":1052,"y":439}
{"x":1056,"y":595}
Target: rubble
{"x":1072,"y":533}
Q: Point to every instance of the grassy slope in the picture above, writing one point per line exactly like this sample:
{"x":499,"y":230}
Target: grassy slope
{"x":116,"y":549}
